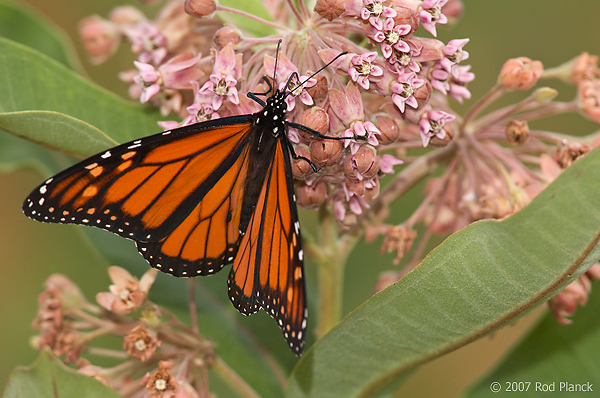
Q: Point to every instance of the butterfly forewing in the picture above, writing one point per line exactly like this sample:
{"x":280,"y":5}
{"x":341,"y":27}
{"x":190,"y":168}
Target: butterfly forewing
{"x":268,"y":269}
{"x":152,"y":190}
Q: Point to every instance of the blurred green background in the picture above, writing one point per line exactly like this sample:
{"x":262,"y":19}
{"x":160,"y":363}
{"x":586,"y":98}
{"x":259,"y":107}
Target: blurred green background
{"x":552,"y":32}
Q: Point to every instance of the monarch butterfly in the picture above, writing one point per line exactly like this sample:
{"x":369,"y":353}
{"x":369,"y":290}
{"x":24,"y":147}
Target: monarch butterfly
{"x":197,"y":198}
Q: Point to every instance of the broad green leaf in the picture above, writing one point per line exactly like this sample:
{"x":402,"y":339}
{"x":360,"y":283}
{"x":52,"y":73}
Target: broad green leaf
{"x":47,"y":103}
{"x":16,"y":153}
{"x":552,"y":354}
{"x":22,"y":25}
{"x":55,"y":129}
{"x":479,"y":279}
{"x":253,"y":7}
{"x":48,"y":377}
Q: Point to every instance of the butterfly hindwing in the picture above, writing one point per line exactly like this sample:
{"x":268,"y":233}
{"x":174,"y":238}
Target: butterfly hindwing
{"x":268,"y":268}
{"x":169,"y":192}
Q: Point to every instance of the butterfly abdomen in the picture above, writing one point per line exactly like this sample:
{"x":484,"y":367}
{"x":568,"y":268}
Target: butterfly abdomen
{"x":268,"y":127}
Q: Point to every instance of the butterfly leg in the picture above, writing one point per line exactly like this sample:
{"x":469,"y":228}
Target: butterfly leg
{"x":295,"y":156}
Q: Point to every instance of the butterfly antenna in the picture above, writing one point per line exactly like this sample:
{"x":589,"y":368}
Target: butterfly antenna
{"x":253,"y":96}
{"x":289,"y":82}
{"x":276,"y":59}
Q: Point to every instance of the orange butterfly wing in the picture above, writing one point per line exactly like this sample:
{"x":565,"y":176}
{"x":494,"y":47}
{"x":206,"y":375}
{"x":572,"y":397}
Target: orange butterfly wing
{"x":268,"y":269}
{"x":178,"y":194}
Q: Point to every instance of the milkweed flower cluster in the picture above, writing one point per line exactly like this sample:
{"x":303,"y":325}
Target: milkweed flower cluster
{"x":394,"y":89}
{"x":194,"y":66}
{"x":71,"y":326}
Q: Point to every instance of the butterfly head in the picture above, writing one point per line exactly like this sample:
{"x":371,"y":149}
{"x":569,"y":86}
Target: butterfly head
{"x":273,"y":115}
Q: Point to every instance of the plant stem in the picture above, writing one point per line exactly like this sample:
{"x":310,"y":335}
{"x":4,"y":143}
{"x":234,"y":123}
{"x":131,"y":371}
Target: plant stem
{"x":331,"y":266}
{"x":234,"y":380}
{"x":335,"y":249}
{"x":192,"y":305}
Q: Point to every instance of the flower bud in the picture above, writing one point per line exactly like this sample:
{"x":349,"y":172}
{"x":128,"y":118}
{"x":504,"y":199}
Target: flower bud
{"x":300,"y":167}
{"x":423,"y":94}
{"x":453,"y":10}
{"x":517,"y":131}
{"x":100,"y":38}
{"x":227,"y":35}
{"x":330,"y":9}
{"x":356,"y":186}
{"x":315,"y":118}
{"x":588,"y":92}
{"x":126,"y":15}
{"x":520,"y":73}
{"x":364,"y":164}
{"x":544,"y":94}
{"x":389,"y":130}
{"x":200,"y":8}
{"x":584,"y":67}
{"x":320,"y":89}
{"x":441,"y":140}
{"x":326,"y":152}
{"x":407,"y":16}
{"x":311,"y":196}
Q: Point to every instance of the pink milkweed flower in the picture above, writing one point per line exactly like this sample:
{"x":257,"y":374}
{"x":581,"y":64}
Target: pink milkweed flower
{"x":177,"y":73}
{"x":147,"y":41}
{"x":360,"y":67}
{"x":373,"y":10}
{"x":431,"y":14}
{"x":440,"y":78}
{"x":432,"y":125}
{"x":390,"y":36}
{"x":387,"y":163}
{"x":180,"y":71}
{"x":349,"y":108}
{"x":460,"y":77}
{"x":356,"y":203}
{"x":199,"y":111}
{"x":126,"y":294}
{"x":297,"y":86}
{"x":148,"y":79}
{"x":227,"y":69}
{"x":401,"y":62}
{"x":363,"y":68}
{"x":403,"y":90}
{"x":454,"y":53}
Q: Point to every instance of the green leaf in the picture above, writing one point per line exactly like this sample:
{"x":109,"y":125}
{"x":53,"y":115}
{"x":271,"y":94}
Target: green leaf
{"x":16,"y":153}
{"x":552,"y":354}
{"x":20,"y":24}
{"x":47,"y":103}
{"x":57,"y":130}
{"x":479,"y":279}
{"x":48,"y":377}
